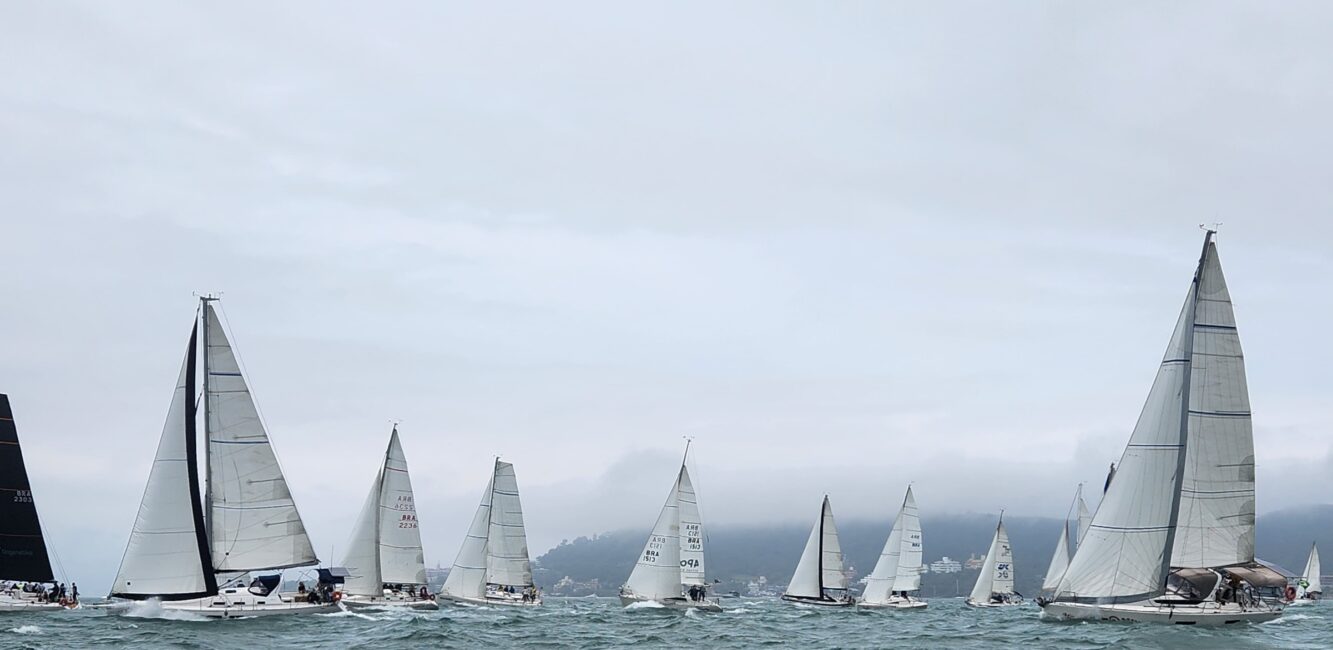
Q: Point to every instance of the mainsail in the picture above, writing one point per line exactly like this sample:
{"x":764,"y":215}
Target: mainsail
{"x":23,"y":553}
{"x":997,"y":572}
{"x":899,"y":565}
{"x":246,"y":520}
{"x":674,"y":554}
{"x":1127,"y":552}
{"x":820,"y":566}
{"x":386,"y":543}
{"x":495,"y":550}
{"x":1310,"y":579}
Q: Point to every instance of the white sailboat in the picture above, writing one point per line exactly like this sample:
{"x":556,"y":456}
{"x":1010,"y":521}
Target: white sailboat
{"x":995,"y":583}
{"x":386,"y":565}
{"x":670,"y":570}
{"x":1173,"y":538}
{"x":819,"y":579}
{"x":1064,"y":547}
{"x":1308,"y":588}
{"x":193,"y":553}
{"x":492,"y":567}
{"x":897,"y":574}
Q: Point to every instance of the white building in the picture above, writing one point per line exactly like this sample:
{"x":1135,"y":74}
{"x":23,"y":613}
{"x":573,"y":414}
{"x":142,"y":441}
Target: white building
{"x":946,"y":565}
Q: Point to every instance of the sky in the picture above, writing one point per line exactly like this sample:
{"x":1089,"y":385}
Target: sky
{"x":843,"y":246}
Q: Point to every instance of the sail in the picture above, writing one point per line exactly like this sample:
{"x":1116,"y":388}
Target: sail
{"x":1125,"y":554}
{"x":806,"y":581}
{"x":1059,"y":561}
{"x":831,"y":552}
{"x":167,"y":555}
{"x":253,"y":521}
{"x":1084,"y":518}
{"x":1311,"y":575}
{"x":883,"y":578}
{"x":909,"y":560}
{"x":982,"y":590}
{"x":657,"y":574}
{"x":467,"y":578}
{"x":997,"y":571}
{"x":507,"y":543}
{"x":22,"y":549}
{"x":1215,"y":526}
{"x":401,"y":558}
{"x":362,"y":559}
{"x":691,"y":532}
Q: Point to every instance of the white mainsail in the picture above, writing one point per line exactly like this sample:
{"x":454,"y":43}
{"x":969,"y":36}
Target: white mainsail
{"x":674,"y":553}
{"x":386,"y":544}
{"x":997,"y":572}
{"x":1311,"y":576}
{"x":253,"y":521}
{"x":507,"y":560}
{"x":163,"y":557}
{"x":899,"y":565}
{"x":495,"y":550}
{"x":1126,"y":553}
{"x":1215,"y":525}
{"x":820,"y":566}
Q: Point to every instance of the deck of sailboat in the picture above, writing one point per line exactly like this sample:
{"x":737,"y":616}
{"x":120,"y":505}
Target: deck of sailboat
{"x":899,"y":603}
{"x":681,"y":603}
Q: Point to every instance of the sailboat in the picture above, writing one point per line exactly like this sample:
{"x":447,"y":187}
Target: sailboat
{"x":492,"y":567}
{"x":193,"y":547}
{"x":898,"y":572}
{"x":670,"y":570}
{"x":385,"y":563}
{"x":995,"y":583}
{"x":23,"y":555}
{"x":819,"y":579}
{"x":1064,"y":547}
{"x":1308,"y":589}
{"x":1173,"y":538}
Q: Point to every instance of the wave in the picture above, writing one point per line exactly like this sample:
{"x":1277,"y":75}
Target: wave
{"x":154,"y":609}
{"x":26,"y":629}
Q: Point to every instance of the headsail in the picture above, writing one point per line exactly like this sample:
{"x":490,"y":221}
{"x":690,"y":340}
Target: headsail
{"x":253,"y":521}
{"x":1059,"y":561}
{"x":167,"y":555}
{"x":1126,"y":553}
{"x":657,"y":574}
{"x":1215,"y":526}
{"x":1311,"y":577}
{"x":883,"y":578}
{"x":23,"y":553}
{"x":467,"y":578}
{"x":1084,"y":518}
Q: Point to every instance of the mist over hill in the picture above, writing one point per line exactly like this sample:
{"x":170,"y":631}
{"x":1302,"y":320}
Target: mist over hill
{"x":737,"y":555}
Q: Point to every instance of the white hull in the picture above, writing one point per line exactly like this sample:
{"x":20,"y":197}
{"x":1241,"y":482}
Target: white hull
{"x":1301,"y":602}
{"x":444,"y":599}
{"x":24,"y":605}
{"x":990,"y":605}
{"x":1201,"y":614}
{"x":895,"y":603}
{"x":361,"y":602}
{"x":236,"y":603}
{"x":675,"y":603}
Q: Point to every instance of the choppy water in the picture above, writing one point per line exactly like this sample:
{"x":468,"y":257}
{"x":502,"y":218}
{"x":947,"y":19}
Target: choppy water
{"x":601,"y":623}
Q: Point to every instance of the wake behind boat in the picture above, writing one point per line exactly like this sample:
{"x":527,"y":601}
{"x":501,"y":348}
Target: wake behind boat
{"x":995,"y":581}
{"x":670,"y":570}
{"x":898,"y":572}
{"x":1173,"y":538}
{"x":385,"y":562}
{"x":819,"y":579}
{"x":195,"y":554}
{"x":492,"y":567}
{"x":24,"y":562}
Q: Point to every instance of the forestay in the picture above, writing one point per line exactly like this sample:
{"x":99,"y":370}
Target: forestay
{"x":253,"y":521}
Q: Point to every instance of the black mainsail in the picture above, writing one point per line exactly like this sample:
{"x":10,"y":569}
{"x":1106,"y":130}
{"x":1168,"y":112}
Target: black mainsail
{"x":22,"y":550}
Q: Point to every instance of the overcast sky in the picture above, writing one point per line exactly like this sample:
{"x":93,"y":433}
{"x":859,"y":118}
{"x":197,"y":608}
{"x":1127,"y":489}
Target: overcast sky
{"x":844,"y":246}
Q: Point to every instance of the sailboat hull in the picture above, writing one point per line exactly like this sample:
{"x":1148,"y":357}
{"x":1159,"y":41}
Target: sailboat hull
{"x":896,"y":602}
{"x":989,"y":605}
{"x":674,"y":603}
{"x":10,"y":604}
{"x":807,"y":600}
{"x":1201,"y":614}
{"x":357,"y":601}
{"x":445,"y":599}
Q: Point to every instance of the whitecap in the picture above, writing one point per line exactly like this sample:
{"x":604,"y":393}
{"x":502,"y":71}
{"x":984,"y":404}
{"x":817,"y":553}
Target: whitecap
{"x":26,"y":629}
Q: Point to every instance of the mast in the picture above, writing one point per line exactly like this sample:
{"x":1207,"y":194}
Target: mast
{"x":192,"y":465}
{"x":379,"y":507}
{"x":823,"y":508}
{"x":490,"y":518}
{"x":208,"y":444}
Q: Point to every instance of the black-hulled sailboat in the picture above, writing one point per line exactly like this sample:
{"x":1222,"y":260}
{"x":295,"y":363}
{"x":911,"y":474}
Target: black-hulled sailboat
{"x":196,"y":539}
{"x":24,"y":561}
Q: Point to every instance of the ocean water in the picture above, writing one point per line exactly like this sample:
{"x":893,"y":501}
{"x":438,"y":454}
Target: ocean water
{"x":602,"y":623}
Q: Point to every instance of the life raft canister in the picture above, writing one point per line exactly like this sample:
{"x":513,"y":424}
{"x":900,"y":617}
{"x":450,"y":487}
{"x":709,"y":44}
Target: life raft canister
{"x":1291,"y":592}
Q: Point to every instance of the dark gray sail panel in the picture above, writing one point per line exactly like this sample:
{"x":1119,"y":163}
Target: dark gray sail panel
{"x":22,"y":549}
